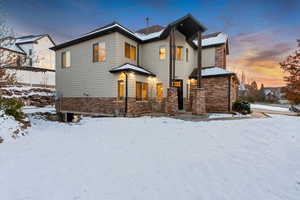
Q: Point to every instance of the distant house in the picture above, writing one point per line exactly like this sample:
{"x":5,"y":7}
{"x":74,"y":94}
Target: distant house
{"x":275,"y":94}
{"x":30,"y":58}
{"x":114,"y":70}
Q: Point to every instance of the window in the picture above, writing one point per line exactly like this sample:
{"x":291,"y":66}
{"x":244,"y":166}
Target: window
{"x":187,"y":54}
{"x":159,"y":91}
{"x":141,"y":91}
{"x":30,"y":62}
{"x":30,"y":52}
{"x":179,"y":53}
{"x":145,"y":91}
{"x":66,"y":59}
{"x":162,"y":53}
{"x":130,"y":51}
{"x":120,"y":89}
{"x":99,"y":52}
{"x":19,"y":61}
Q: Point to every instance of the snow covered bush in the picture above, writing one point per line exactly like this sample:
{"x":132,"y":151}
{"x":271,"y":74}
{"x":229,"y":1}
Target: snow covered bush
{"x":242,"y":107}
{"x":10,"y":128}
{"x":12,"y":107}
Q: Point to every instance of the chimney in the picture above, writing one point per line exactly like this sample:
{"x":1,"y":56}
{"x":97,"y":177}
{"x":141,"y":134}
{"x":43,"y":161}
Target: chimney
{"x":147,"y":24}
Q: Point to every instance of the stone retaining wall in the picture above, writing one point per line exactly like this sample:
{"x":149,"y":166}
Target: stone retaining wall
{"x":30,"y":96}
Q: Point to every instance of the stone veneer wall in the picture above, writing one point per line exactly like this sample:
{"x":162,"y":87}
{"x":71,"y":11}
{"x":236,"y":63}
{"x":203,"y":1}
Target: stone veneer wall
{"x":93,"y":105}
{"x":171,"y":107}
{"x":138,"y":107}
{"x":233,"y":91}
{"x":198,"y":102}
{"x":216,"y":93}
{"x":108,"y":106}
{"x":220,"y":57}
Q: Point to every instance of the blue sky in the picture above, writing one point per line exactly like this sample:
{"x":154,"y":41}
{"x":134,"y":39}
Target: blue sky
{"x":261,"y":32}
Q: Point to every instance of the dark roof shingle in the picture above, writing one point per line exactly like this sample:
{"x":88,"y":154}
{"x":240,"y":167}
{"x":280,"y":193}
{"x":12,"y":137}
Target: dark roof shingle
{"x":151,"y":29}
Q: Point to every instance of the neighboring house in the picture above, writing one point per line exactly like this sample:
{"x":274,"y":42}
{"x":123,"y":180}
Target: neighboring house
{"x":275,"y":94}
{"x":30,"y":58}
{"x":97,"y":71}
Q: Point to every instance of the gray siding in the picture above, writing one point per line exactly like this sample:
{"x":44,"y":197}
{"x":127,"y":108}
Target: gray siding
{"x":94,"y":79}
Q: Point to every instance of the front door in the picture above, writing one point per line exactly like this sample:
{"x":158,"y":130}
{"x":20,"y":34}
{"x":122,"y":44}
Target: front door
{"x":178,"y":83}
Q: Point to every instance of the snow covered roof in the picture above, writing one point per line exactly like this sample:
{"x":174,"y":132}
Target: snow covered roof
{"x":131,"y":67}
{"x":28,"y":39}
{"x":13,"y":44}
{"x":211,"y":71}
{"x":10,"y":44}
{"x":215,"y":39}
{"x":140,"y":36}
{"x":191,"y":25}
{"x":145,"y":37}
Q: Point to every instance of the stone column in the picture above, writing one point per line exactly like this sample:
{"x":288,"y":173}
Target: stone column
{"x":171,"y":107}
{"x":198,"y":104}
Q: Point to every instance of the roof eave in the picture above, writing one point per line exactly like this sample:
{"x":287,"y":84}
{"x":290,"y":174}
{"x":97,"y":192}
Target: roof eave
{"x":13,"y":50}
{"x":214,"y":75}
{"x":128,"y":70}
{"x":172,"y":24}
{"x":94,"y":35}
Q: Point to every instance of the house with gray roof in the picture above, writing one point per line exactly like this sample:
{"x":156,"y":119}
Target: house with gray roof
{"x":30,"y":58}
{"x":114,"y":70}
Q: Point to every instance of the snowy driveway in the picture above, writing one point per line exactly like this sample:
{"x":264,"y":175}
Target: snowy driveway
{"x":154,"y":158}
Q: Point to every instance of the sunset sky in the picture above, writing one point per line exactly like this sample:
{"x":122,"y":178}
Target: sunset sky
{"x":262,"y":32}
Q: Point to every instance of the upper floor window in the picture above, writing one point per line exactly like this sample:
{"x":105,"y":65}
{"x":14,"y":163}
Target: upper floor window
{"x":99,"y":52}
{"x":30,"y":52}
{"x":179,"y":53}
{"x":30,"y":62}
{"x":187,"y":54}
{"x":18,"y":61}
{"x":162,"y":53}
{"x":130,"y":51}
{"x":66,"y":59}
{"x":141,"y":91}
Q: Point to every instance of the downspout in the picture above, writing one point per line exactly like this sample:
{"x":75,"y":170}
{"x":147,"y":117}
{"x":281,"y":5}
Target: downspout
{"x":126,"y":93}
{"x":174,"y":53}
{"x":229,"y":93}
{"x":138,"y":55}
{"x":170,"y":58}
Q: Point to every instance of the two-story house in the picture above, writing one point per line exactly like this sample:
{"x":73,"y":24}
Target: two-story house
{"x":112,"y":70}
{"x":30,"y":58}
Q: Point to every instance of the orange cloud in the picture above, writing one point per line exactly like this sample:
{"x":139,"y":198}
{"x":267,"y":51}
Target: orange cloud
{"x":258,"y":56}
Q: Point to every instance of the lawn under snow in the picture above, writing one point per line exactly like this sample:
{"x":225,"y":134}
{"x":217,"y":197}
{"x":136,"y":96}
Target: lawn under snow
{"x":268,"y":107}
{"x":8,"y":128}
{"x":154,"y":158}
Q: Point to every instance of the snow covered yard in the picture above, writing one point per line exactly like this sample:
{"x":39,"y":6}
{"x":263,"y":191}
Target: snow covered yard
{"x":270,"y":107}
{"x":154,"y":158}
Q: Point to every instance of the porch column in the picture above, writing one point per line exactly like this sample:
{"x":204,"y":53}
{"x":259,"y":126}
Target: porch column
{"x":199,"y":61}
{"x":198,"y":100}
{"x":171,"y":106}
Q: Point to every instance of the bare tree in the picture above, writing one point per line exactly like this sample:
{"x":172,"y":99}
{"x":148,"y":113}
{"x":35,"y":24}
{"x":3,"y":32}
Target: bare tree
{"x":7,"y":55}
{"x":292,"y":65}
